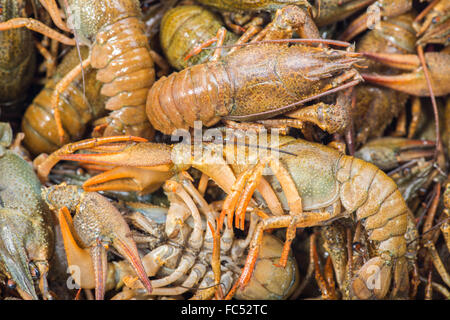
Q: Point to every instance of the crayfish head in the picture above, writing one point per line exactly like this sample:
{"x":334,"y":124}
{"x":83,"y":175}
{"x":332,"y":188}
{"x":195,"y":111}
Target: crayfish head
{"x":14,"y":260}
{"x":435,"y":26}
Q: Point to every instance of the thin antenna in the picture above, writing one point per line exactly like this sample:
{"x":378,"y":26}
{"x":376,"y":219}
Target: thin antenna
{"x":221,"y":141}
{"x":324,"y":41}
{"x":433,"y":101}
{"x":431,"y":229}
{"x":79,"y":53}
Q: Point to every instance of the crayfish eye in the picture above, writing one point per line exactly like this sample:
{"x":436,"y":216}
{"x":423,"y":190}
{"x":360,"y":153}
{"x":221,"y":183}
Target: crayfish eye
{"x":406,"y":171}
{"x":35,"y":274}
{"x":103,"y":241}
{"x":422,"y":192}
{"x":357,"y":246}
{"x":11,"y":285}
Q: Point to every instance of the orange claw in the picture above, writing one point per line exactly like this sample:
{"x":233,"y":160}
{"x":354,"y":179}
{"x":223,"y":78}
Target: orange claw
{"x":97,"y":223}
{"x":414,"y":83}
{"x":45,"y":163}
{"x":76,"y":256}
{"x":127,"y":179}
{"x":141,"y":167}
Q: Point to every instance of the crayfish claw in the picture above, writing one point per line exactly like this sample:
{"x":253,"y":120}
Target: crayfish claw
{"x":100,"y":262}
{"x":127,"y":179}
{"x":413,"y":83}
{"x":78,"y":259}
{"x":44,"y":164}
{"x":387,"y":153}
{"x":395,"y":60}
{"x":96,"y":225}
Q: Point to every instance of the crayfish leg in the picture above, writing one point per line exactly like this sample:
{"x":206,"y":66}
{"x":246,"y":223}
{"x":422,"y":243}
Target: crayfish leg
{"x":437,"y":262}
{"x":230,"y":24}
{"x":219,"y":38}
{"x":60,"y":87}
{"x":252,"y":256}
{"x":249,"y":34}
{"x":37,"y":26}
{"x":247,"y":193}
{"x":221,"y":33}
{"x":53,"y":10}
{"x":232,"y":199}
{"x":416,"y":111}
{"x":304,"y":219}
{"x":215,"y":261}
{"x":49,"y":59}
{"x":290,"y":236}
{"x":43,"y":268}
{"x":326,"y":284}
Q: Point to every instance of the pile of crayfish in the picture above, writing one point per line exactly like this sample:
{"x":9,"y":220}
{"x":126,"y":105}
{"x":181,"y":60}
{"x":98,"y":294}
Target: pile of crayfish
{"x":220,"y":149}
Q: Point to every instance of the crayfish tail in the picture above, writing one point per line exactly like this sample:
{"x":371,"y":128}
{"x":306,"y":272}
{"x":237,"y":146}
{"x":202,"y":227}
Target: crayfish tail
{"x":373,"y":280}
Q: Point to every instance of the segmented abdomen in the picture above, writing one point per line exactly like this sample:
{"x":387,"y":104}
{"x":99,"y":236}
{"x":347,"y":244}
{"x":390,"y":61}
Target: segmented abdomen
{"x":185,"y":27}
{"x":199,"y":93}
{"x":248,"y":5}
{"x":122,"y":55}
{"x":78,"y":106}
{"x":378,"y":204}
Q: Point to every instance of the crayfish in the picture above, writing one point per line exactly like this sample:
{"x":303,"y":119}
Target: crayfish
{"x":26,"y":233}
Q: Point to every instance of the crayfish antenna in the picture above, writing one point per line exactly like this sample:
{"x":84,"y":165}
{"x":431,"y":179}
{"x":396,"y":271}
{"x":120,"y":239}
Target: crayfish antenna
{"x":433,"y":100}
